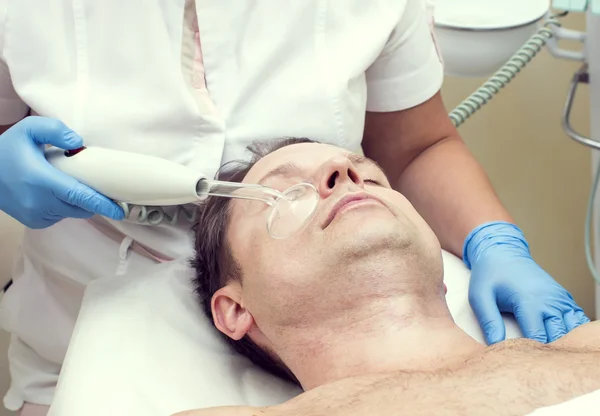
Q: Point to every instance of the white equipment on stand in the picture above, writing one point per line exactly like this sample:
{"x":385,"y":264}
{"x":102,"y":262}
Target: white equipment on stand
{"x":477,"y":37}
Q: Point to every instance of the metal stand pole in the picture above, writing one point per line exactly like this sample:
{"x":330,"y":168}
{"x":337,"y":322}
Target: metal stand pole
{"x":593,"y":59}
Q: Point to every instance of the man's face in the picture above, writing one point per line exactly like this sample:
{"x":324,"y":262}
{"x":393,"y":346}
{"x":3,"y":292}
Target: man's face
{"x":378,"y":247}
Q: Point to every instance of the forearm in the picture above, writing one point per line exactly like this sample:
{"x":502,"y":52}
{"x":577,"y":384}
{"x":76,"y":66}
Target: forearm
{"x":451,"y":191}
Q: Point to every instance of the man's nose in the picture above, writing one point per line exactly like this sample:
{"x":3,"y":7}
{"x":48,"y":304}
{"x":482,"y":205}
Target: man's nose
{"x":338,"y":171}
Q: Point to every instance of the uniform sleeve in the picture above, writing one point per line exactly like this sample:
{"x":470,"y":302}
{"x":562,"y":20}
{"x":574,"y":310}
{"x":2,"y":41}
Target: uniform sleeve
{"x":12,"y":108}
{"x":409,"y":70}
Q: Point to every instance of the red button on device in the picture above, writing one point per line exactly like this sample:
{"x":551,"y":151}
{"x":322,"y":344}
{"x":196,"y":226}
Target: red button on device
{"x":69,"y":153}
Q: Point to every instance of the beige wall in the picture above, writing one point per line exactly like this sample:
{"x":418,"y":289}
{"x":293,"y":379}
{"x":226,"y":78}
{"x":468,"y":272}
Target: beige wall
{"x":541,"y":175}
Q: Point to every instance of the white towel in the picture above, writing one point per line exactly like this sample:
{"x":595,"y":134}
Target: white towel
{"x":587,"y":405}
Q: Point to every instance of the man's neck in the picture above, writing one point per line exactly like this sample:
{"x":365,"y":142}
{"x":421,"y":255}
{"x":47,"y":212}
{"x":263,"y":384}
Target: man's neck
{"x":387,"y":336}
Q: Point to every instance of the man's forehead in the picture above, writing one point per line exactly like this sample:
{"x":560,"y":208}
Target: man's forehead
{"x":303,"y":155}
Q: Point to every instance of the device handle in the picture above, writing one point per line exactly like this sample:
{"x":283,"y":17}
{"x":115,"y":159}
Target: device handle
{"x":128,"y":177}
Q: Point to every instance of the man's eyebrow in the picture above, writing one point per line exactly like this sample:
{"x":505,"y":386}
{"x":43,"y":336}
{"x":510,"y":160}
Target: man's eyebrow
{"x":287,"y":169}
{"x":362,"y":160}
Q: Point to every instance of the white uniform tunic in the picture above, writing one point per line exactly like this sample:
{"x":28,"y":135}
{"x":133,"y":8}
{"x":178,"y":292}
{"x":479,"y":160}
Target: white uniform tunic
{"x":193,"y":82}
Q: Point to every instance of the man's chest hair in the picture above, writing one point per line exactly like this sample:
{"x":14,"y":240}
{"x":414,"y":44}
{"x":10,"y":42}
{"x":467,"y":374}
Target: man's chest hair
{"x":510,"y":378}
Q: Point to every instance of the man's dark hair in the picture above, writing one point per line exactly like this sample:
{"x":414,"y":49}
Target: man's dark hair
{"x":213,"y":262}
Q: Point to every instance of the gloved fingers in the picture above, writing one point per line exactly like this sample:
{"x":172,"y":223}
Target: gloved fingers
{"x":43,"y":130}
{"x":486,"y":310}
{"x":581,"y":317}
{"x":61,"y":210}
{"x":41,"y":223}
{"x":571,"y":320}
{"x":76,"y":194}
{"x":555,"y":328}
{"x":531,"y":323}
{"x":575,"y":317}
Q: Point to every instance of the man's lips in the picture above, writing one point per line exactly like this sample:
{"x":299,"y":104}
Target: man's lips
{"x":348,"y":200}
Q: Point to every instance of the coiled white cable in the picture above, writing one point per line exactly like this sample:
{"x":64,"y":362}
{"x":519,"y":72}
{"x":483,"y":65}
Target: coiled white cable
{"x":505,"y":74}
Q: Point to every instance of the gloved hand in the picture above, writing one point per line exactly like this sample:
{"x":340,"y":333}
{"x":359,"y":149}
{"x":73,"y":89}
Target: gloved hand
{"x":35,"y":193}
{"x":504,"y":278}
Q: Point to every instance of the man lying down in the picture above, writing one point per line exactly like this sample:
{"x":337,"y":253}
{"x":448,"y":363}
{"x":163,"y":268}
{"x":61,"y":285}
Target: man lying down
{"x":353,"y":308}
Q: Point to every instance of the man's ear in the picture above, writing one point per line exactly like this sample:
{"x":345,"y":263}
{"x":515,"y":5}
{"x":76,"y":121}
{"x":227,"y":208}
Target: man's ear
{"x":230,"y":317}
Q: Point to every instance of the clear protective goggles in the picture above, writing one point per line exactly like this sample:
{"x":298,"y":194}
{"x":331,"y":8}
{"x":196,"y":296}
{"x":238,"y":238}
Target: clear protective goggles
{"x":291,"y":210}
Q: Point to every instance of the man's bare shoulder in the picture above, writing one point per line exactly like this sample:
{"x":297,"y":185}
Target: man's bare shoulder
{"x":512,"y":377}
{"x":585,"y":337}
{"x":227,"y":411}
{"x":508,"y":372}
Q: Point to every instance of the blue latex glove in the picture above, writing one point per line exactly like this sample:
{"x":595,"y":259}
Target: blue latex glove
{"x":504,"y":278}
{"x":35,"y":193}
